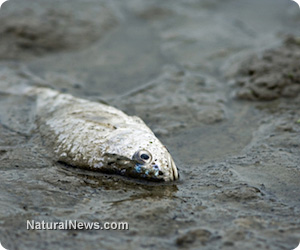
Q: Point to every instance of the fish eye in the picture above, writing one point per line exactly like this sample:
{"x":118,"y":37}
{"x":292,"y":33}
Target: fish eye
{"x":145,"y":157}
{"x":142,"y":156}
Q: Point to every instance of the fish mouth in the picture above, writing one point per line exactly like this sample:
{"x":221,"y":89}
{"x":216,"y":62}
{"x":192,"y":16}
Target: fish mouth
{"x":174,"y":172}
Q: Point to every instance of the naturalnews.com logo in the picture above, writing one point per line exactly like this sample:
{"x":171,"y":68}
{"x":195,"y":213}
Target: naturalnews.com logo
{"x":76,"y":225}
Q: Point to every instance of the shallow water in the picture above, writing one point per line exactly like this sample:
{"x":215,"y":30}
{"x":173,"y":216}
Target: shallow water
{"x":167,"y":63}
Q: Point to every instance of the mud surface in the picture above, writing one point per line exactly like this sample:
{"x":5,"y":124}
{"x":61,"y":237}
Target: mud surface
{"x":41,"y":28}
{"x":217,"y":81}
{"x":273,"y":74}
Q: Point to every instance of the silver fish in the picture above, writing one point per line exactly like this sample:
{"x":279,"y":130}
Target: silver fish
{"x":98,"y":137}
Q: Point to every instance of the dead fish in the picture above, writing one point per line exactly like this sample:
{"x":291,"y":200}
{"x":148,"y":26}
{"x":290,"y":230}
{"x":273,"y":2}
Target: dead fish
{"x":99,"y":137}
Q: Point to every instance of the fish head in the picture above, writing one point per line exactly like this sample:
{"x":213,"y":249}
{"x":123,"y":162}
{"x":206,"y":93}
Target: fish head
{"x":155,"y":163}
{"x":136,"y":152}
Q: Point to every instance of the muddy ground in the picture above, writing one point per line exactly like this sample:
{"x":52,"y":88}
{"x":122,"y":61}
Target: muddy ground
{"x":218,"y":83}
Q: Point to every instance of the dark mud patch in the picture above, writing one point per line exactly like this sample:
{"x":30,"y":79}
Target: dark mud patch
{"x":200,"y":236}
{"x":273,"y":74}
{"x":32,"y":32}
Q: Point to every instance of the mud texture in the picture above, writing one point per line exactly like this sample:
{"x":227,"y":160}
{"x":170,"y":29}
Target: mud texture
{"x":42,"y":29}
{"x":191,"y":99}
{"x":273,"y":74}
{"x":180,"y":66}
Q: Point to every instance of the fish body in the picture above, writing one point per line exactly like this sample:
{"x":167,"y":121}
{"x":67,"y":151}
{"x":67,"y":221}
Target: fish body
{"x":99,"y":137}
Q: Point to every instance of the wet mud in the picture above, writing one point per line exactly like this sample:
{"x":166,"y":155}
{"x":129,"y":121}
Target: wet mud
{"x":218,"y":83}
{"x":272,"y":74}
